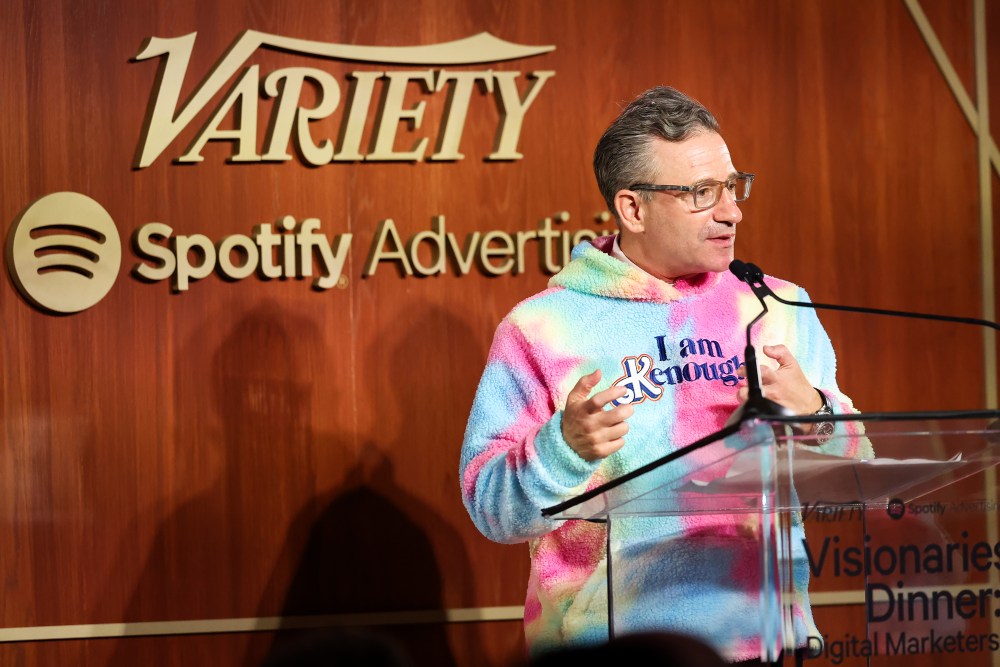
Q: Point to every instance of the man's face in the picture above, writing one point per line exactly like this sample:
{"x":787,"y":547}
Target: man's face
{"x":675,"y":239}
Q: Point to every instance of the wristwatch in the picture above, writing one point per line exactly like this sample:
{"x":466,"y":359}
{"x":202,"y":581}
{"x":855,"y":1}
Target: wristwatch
{"x":823,"y":430}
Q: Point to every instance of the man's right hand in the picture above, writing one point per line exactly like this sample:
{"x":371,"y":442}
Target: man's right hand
{"x":593,"y":432}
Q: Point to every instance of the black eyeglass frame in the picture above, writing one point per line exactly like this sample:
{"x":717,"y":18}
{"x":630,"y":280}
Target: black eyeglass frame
{"x":729,"y":183}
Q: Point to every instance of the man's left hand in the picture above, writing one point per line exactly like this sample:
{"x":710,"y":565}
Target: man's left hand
{"x":787,"y":384}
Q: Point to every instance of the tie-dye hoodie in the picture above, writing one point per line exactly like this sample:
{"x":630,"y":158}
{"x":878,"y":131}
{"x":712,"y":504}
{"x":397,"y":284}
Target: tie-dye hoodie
{"x":687,"y":341}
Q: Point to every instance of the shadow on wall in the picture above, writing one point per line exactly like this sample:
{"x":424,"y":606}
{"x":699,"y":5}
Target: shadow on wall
{"x":246,"y":522}
{"x":379,"y":543}
{"x":363,"y":555}
{"x":230,"y":475}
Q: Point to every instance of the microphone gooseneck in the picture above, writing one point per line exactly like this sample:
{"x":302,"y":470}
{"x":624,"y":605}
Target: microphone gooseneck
{"x":753,"y":276}
{"x":757,"y":405}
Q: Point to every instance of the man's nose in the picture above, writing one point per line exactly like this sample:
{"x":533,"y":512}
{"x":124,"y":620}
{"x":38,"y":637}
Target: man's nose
{"x":726,"y":209}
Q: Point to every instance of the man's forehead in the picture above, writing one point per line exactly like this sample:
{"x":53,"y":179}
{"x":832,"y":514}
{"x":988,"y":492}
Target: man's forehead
{"x":700,"y":156}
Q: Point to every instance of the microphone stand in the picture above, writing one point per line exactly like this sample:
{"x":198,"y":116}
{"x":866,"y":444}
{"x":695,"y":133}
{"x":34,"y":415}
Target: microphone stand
{"x":757,"y":405}
{"x":753,"y":276}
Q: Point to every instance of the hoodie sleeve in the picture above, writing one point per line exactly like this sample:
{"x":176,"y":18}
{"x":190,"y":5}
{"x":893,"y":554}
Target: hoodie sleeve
{"x":515,"y":461}
{"x":816,"y":356}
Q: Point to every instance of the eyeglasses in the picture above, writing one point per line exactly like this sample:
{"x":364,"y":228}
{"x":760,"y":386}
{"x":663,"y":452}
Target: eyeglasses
{"x":707,"y":193}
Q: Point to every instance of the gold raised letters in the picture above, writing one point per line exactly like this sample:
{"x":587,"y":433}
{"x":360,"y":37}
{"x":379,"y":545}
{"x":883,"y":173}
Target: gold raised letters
{"x":167,"y":117}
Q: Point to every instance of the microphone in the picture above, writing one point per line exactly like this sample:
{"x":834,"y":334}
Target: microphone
{"x":752,"y":275}
{"x":741,"y":270}
{"x":757,"y":405}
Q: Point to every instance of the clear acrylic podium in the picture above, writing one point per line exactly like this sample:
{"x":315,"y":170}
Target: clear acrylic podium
{"x":898,"y":553}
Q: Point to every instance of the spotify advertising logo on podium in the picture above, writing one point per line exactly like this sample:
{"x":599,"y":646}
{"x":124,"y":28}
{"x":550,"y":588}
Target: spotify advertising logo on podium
{"x":64,"y":252}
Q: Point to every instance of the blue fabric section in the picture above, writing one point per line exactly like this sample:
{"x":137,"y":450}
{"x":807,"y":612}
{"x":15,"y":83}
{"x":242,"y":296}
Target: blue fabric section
{"x":514,"y":486}
{"x":567,"y":470}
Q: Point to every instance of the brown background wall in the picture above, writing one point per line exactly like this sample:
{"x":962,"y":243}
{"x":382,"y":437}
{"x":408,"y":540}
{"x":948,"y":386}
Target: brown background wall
{"x":257,"y":449}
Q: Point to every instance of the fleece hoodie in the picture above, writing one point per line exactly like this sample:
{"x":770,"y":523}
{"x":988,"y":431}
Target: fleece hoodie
{"x":677,"y":347}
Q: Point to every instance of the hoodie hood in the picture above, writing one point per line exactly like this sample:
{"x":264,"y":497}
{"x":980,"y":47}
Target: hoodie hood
{"x":594,"y":270}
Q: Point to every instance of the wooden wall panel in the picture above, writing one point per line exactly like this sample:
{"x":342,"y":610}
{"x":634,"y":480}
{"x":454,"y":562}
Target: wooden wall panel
{"x":257,"y":448}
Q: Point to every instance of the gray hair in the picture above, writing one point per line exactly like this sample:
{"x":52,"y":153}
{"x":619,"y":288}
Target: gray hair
{"x":623,"y":158}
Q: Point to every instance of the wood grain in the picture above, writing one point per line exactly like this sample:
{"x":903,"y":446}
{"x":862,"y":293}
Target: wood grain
{"x":257,"y":448}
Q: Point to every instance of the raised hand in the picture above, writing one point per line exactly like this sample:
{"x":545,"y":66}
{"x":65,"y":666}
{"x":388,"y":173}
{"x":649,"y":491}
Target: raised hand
{"x":592,"y":431}
{"x":787,"y":384}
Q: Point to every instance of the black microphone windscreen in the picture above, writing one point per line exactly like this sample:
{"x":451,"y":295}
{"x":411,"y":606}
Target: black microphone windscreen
{"x":754,"y":272}
{"x":739,"y":269}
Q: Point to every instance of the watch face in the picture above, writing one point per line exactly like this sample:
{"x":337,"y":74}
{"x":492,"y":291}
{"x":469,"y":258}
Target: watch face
{"x":824,"y":431}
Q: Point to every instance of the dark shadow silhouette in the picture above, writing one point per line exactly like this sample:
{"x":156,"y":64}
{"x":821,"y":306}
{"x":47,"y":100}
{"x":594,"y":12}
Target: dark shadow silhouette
{"x":342,"y":648}
{"x":364,"y":555}
{"x":363,"y":550}
{"x":370,"y":546}
{"x":246,"y":522}
{"x":244,"y":456}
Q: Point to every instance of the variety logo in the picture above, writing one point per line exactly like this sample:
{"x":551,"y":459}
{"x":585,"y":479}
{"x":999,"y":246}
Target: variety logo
{"x":64,"y":252}
{"x":296,"y":120}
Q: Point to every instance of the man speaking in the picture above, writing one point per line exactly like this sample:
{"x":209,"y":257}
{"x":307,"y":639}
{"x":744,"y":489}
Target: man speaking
{"x":633,"y":351}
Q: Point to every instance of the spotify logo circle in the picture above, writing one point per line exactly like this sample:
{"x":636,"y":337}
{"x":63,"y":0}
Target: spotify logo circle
{"x":64,"y":252}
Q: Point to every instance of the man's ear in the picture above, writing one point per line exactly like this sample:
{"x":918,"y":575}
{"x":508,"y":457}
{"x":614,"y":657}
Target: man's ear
{"x":630,"y":211}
